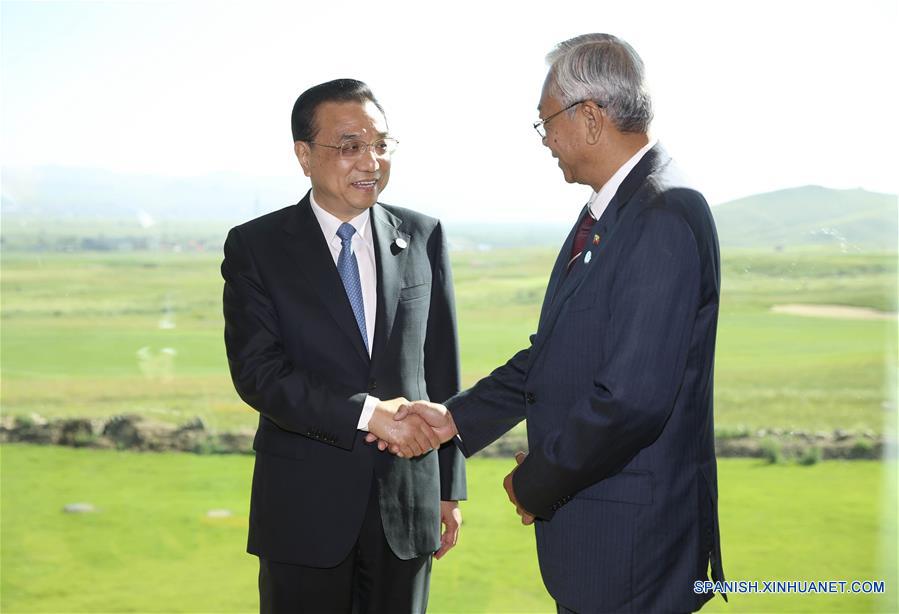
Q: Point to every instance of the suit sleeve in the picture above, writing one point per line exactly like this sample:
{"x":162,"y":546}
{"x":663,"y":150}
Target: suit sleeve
{"x":263,"y":374}
{"x":654,"y":299}
{"x":441,"y":361}
{"x":491,"y":407}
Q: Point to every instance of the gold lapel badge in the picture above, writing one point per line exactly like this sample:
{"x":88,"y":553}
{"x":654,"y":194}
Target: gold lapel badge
{"x":595,"y":239}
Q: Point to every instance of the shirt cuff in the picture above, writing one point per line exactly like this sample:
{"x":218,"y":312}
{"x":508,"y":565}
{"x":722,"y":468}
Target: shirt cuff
{"x":368,"y":408}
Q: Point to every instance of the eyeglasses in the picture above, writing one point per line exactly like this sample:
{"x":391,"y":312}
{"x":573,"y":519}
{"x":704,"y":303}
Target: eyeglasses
{"x":540,"y":126}
{"x":353,"y":149}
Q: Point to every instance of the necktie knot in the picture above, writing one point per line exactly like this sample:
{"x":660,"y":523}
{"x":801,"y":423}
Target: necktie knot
{"x":583,"y":231}
{"x":346,"y":232}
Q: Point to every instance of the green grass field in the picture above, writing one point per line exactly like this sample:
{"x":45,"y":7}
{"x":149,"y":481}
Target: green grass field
{"x":151,"y":548}
{"x":100,"y":334}
{"x":105,"y":334}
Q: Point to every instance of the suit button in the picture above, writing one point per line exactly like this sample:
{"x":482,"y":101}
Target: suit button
{"x":530,"y":398}
{"x":372,"y":385}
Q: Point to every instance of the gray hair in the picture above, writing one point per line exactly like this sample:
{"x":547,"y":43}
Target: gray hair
{"x":606,"y":70}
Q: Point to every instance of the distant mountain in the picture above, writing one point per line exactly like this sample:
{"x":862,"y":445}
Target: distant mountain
{"x":810,"y":215}
{"x":51,"y":201}
{"x":71,"y":193}
{"x":804,"y":216}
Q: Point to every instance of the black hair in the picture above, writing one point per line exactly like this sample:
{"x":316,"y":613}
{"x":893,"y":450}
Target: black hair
{"x":302,"y":119}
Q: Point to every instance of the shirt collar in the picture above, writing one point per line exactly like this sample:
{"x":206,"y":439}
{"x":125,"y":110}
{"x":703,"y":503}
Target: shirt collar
{"x":600,"y":200}
{"x":330,"y":223}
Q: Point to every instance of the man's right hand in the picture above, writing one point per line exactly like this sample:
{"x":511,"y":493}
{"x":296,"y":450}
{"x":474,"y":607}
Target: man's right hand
{"x":408,"y":437}
{"x":436,"y":415}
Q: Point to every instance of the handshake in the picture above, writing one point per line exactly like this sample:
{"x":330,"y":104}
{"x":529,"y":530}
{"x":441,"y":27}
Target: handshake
{"x":410,"y":429}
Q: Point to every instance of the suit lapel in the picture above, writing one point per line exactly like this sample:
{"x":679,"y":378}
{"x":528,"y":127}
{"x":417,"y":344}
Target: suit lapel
{"x":569,"y":283}
{"x":306,"y":247}
{"x":584,"y":264}
{"x":605,"y":227}
{"x":557,"y":277}
{"x":390,"y":262}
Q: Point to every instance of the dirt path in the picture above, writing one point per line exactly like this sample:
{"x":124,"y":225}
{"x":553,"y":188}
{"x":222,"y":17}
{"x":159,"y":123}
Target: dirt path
{"x":834,"y":311}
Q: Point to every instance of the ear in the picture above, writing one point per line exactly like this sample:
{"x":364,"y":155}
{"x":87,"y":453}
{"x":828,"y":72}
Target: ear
{"x":594,"y":118}
{"x":304,"y":155}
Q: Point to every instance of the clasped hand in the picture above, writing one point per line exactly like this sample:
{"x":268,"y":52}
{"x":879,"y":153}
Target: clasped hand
{"x":410,"y":429}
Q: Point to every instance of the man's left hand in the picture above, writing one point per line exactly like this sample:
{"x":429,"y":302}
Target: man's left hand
{"x":451,"y":519}
{"x":526,"y":517}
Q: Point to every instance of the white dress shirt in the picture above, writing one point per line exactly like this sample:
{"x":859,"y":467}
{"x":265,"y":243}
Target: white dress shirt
{"x":600,"y":200}
{"x":364,"y":248}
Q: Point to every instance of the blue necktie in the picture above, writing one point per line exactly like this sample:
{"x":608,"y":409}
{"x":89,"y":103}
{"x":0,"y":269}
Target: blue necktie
{"x":349,"y":274}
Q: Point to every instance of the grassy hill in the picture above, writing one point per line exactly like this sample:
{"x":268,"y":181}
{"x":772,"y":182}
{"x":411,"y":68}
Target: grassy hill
{"x":851,"y":220}
{"x":855,"y":220}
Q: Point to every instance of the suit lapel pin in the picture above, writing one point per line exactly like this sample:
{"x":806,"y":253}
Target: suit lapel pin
{"x":587,"y":257}
{"x":400,"y":243}
{"x":595,"y":239}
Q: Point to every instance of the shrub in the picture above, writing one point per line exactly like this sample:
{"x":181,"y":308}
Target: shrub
{"x":810,"y":456}
{"x":731,"y":432}
{"x":771,"y":451}
{"x":862,"y":448}
{"x":23,"y":421}
{"x":208,"y":445}
{"x":82,"y":439}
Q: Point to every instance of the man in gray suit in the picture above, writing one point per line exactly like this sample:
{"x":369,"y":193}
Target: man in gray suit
{"x":332,"y":306}
{"x":616,"y":386}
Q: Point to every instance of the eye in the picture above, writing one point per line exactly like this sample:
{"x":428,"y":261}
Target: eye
{"x":381,"y":147}
{"x":351,"y":148}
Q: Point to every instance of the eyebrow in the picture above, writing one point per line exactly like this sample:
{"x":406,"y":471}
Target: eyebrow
{"x":355,"y":135}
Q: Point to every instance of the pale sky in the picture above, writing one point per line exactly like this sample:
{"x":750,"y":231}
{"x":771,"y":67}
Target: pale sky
{"x":749,"y":96}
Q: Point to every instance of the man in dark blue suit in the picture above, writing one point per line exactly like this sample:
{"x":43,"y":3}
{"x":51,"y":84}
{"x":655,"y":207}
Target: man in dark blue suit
{"x":616,"y":386}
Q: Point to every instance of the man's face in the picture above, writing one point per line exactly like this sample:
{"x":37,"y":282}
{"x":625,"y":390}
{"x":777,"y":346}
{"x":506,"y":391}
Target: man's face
{"x":563,"y":135}
{"x":345,"y":187}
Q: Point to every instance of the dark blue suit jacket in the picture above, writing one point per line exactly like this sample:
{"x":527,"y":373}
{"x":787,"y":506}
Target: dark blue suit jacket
{"x":617,"y":392}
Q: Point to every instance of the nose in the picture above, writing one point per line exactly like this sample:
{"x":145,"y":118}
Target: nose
{"x":368,"y":161}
